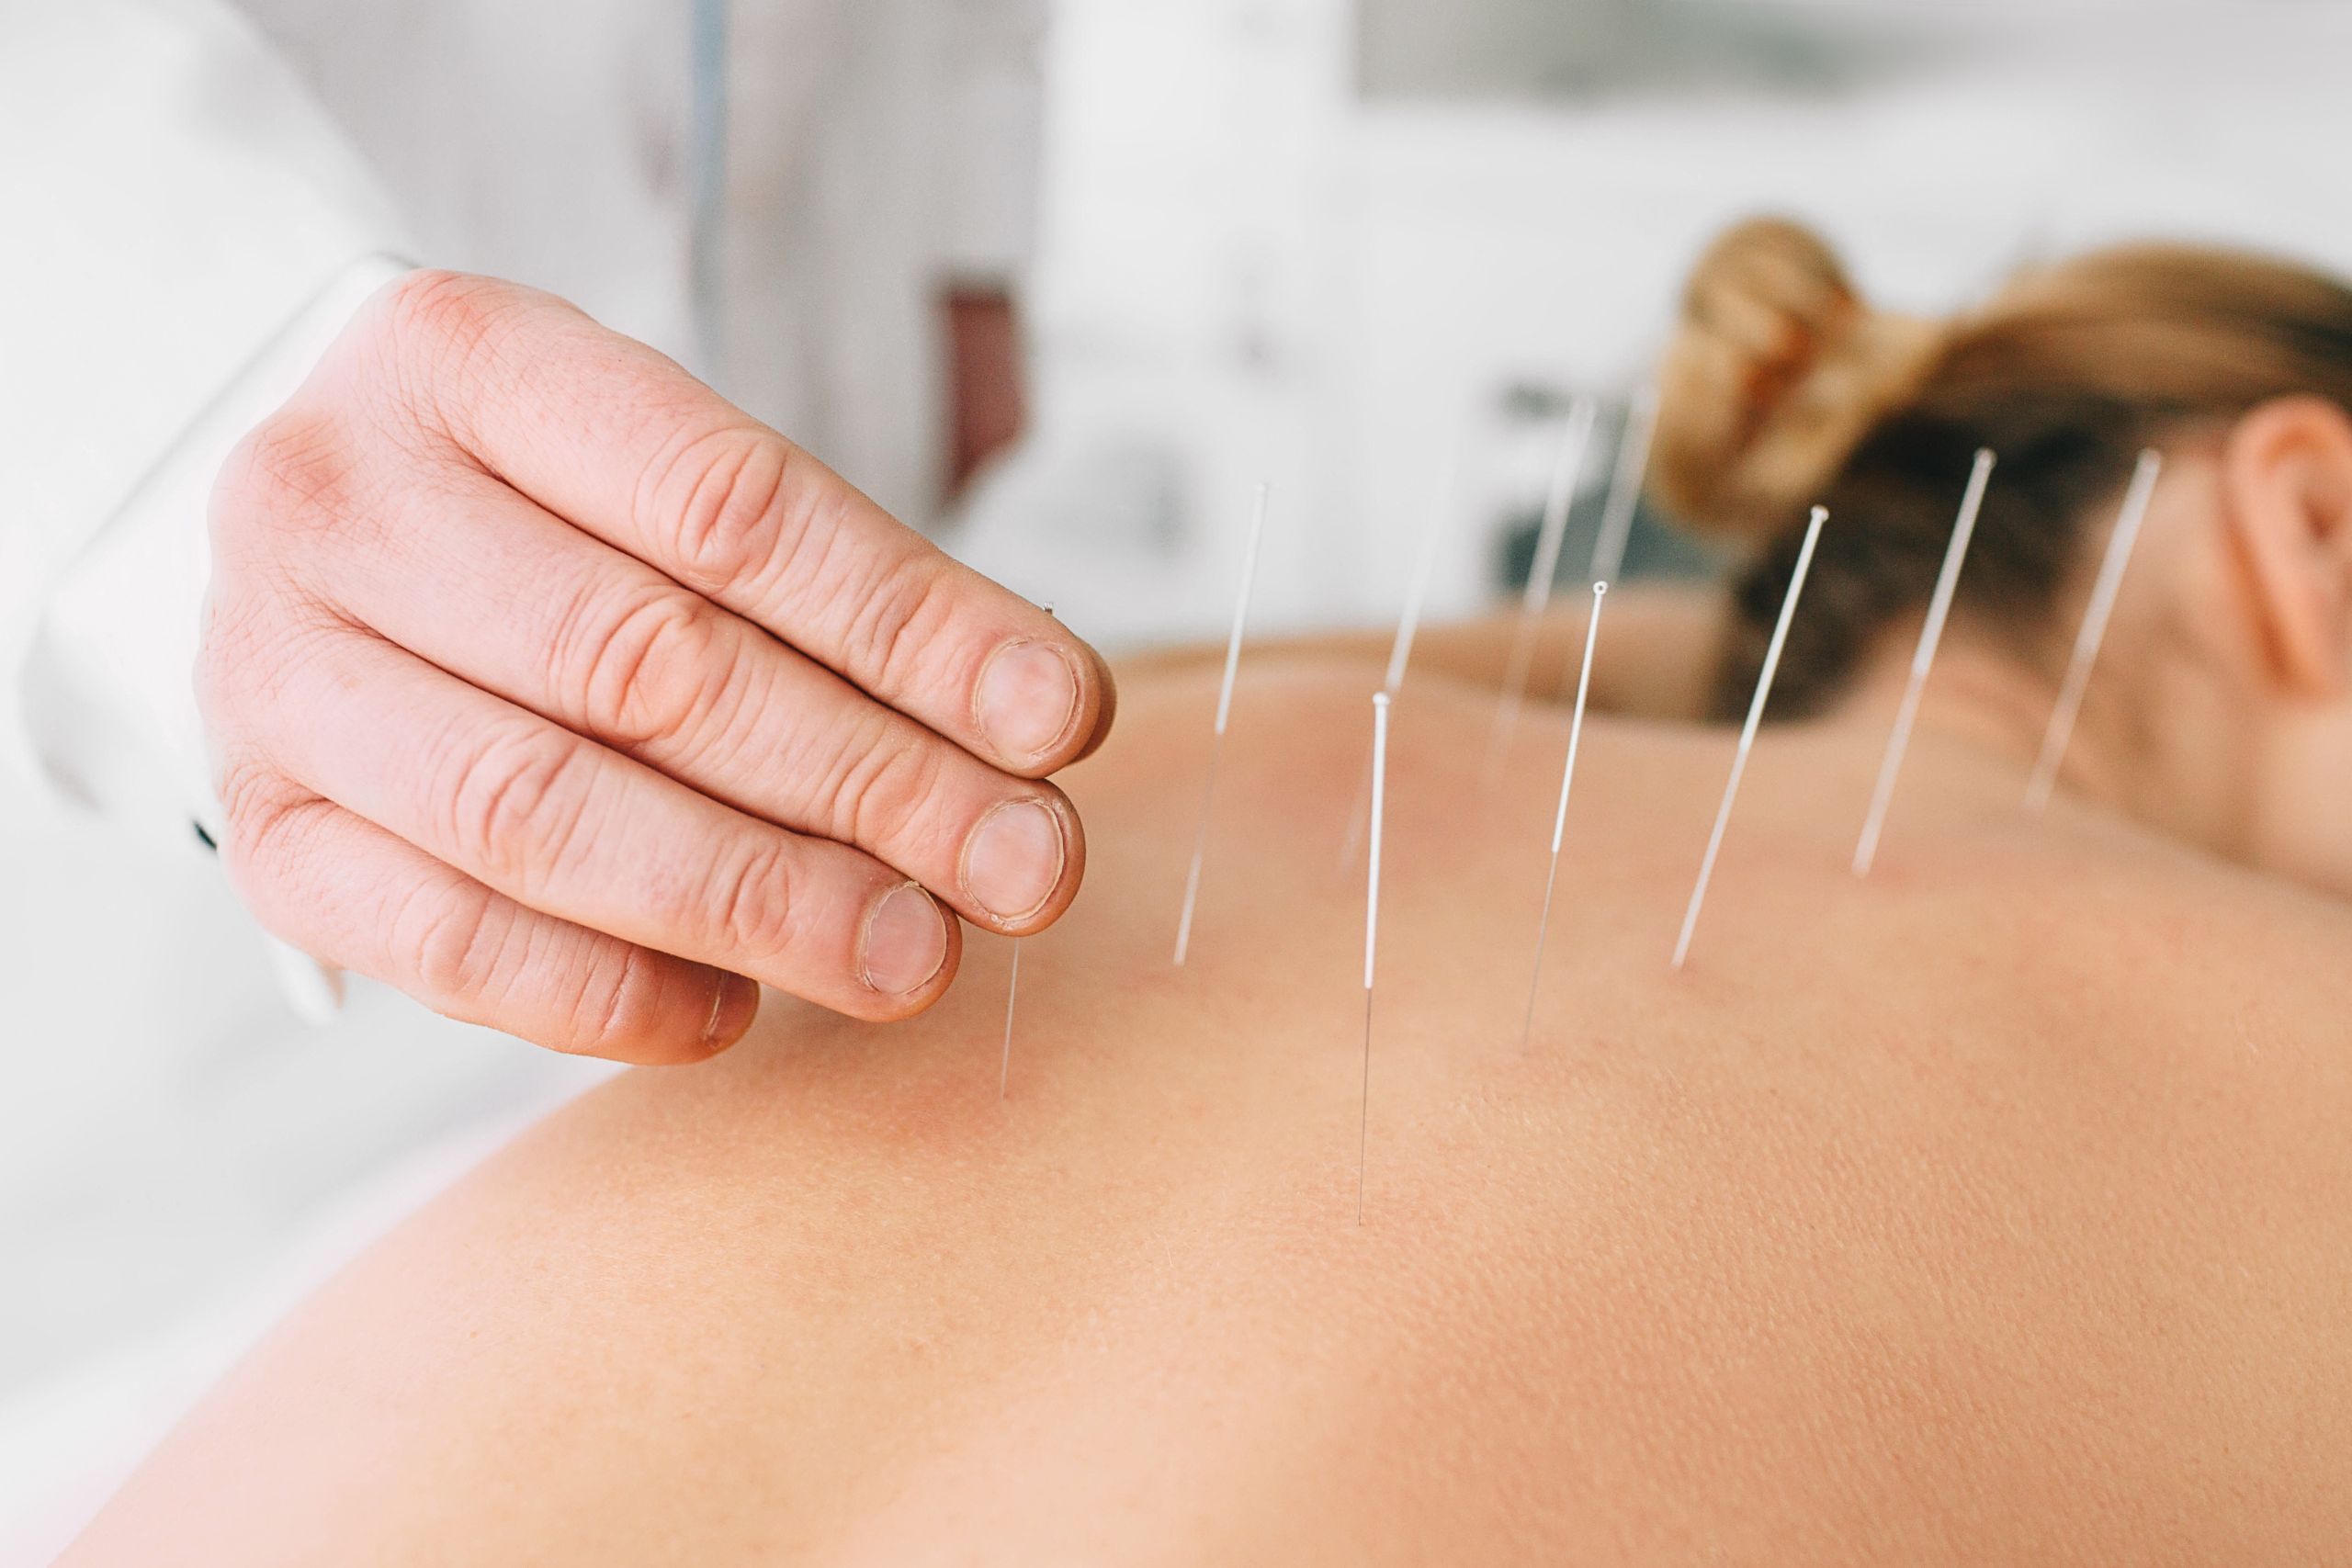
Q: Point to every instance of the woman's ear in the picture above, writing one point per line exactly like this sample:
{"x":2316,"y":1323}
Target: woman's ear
{"x":2286,"y":499}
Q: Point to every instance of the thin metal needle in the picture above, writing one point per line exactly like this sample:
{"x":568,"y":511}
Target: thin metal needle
{"x":1012,"y":995}
{"x":1576,"y":440}
{"x":1371,"y":926}
{"x":1224,"y":711}
{"x":2094,"y":630}
{"x":1408,"y":625}
{"x":1924,"y":656}
{"x":1560,"y":817}
{"x":1625,"y":486}
{"x":1747,"y":732}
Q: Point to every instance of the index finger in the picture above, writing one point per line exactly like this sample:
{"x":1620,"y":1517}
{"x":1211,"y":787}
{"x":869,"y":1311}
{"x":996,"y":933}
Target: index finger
{"x":625,"y":445}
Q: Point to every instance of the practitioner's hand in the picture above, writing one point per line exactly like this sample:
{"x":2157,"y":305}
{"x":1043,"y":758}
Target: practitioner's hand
{"x":548,"y":687}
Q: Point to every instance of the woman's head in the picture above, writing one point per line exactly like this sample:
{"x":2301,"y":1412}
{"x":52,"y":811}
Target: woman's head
{"x":2229,"y":671}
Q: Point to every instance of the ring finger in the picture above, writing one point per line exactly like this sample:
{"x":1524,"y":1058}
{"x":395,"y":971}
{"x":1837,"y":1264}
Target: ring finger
{"x":565,"y":827}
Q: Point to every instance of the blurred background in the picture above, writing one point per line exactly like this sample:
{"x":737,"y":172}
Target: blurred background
{"x":1060,"y":281}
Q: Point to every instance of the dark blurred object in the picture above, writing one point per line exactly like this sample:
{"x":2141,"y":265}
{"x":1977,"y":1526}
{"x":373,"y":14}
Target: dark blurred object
{"x":1569,"y":49}
{"x":987,"y":404}
{"x":1653,"y":549}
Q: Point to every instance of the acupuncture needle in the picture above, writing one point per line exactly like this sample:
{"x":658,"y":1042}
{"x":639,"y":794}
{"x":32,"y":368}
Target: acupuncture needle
{"x":1560,"y":817}
{"x":2094,"y":629}
{"x":1626,"y":485}
{"x":1922,"y":658}
{"x":1747,"y":730}
{"x":1408,"y":625}
{"x":1224,"y":711}
{"x":1012,"y":995}
{"x":1568,"y":467}
{"x":1371,"y":926}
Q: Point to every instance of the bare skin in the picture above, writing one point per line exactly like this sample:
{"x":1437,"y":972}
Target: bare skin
{"x":1997,"y":1209}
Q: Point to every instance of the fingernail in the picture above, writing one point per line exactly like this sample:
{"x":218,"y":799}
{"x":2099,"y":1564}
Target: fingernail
{"x":1027,"y":697}
{"x":1012,"y":862}
{"x":731,"y":1013}
{"x":906,"y":942}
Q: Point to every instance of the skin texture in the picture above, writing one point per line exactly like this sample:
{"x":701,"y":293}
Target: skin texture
{"x":1996,"y":1209}
{"x":547,"y":686}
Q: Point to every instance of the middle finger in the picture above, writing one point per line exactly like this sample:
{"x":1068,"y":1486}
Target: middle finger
{"x":531,"y":609}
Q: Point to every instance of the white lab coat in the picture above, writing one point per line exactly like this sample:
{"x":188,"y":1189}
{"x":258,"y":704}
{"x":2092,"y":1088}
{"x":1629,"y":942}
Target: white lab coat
{"x":183,"y":227}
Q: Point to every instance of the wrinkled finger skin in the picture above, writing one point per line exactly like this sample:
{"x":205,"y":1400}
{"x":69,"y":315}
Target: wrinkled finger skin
{"x":548,"y":687}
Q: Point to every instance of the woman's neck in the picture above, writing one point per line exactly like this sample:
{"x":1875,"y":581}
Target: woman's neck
{"x":1983,"y":701}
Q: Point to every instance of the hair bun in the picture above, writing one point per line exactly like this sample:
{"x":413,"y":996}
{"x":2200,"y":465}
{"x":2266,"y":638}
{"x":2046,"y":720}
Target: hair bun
{"x":1777,"y":371}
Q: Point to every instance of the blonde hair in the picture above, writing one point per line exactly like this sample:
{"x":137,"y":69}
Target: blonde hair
{"x":1783,"y":387}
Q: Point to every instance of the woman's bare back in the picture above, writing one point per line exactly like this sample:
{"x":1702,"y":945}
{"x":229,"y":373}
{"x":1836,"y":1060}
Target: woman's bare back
{"x":1996,"y":1209}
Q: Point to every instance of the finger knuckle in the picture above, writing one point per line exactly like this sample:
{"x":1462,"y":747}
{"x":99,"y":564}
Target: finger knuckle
{"x":260,"y":805}
{"x":902,"y":624}
{"x":643,"y":673}
{"x":886,"y":781}
{"x":723,"y":501}
{"x":451,"y":936}
{"x":440,"y":330}
{"x":755,"y":900}
{"x":271,"y":850}
{"x":518,"y":802}
{"x":619,"y":1006}
{"x":291,"y":469}
{"x":440,"y":310}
